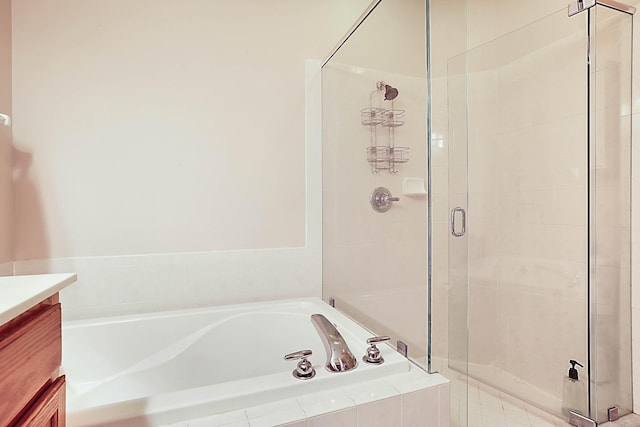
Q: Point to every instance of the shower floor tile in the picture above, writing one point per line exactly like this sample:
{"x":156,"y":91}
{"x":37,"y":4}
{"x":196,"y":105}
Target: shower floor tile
{"x":489,"y":407}
{"x":631,"y":420}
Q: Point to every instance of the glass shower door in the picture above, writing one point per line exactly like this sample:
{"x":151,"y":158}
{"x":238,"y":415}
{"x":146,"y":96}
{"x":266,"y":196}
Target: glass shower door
{"x":518,"y":297}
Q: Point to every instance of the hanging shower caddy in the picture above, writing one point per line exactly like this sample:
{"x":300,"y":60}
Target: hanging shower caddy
{"x":383,"y":156}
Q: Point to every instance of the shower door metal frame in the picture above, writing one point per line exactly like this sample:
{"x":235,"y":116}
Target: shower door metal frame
{"x":579,"y":6}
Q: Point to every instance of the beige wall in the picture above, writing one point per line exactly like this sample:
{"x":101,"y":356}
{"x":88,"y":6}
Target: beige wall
{"x":164,"y":152}
{"x":6,"y":197}
{"x":151,"y":128}
{"x":635,"y":212}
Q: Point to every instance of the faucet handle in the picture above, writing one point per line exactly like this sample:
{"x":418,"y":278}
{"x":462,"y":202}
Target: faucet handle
{"x":373,"y":352}
{"x":302,"y":354}
{"x":304,"y":370}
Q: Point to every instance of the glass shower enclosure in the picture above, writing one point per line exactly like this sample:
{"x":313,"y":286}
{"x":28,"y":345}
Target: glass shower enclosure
{"x":539,"y":199}
{"x":375,"y":210}
{"x":499,"y":250}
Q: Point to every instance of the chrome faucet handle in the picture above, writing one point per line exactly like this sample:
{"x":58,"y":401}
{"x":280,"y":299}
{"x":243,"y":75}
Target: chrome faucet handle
{"x":373,"y":352}
{"x":304,"y":370}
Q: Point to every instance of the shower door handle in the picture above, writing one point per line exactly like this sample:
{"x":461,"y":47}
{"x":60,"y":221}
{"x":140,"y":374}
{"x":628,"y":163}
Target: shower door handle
{"x":453,"y":221}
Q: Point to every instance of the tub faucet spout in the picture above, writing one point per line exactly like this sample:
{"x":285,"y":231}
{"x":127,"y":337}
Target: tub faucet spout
{"x":339,"y":357}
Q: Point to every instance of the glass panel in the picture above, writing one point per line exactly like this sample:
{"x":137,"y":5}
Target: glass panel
{"x":526,"y":210}
{"x":375,"y":265}
{"x":610,"y":199}
{"x":456,"y":368}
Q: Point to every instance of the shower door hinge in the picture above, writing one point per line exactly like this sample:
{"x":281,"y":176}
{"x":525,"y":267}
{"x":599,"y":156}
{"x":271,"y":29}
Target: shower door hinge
{"x":578,"y":6}
{"x":578,"y":420}
{"x":402,"y":348}
{"x":613,"y":413}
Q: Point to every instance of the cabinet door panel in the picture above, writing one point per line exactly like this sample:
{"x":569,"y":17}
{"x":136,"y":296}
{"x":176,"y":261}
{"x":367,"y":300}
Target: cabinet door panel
{"x":30,"y":357}
{"x":49,"y":409}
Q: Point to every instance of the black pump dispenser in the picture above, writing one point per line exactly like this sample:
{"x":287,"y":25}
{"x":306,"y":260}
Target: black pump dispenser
{"x":573,"y":372}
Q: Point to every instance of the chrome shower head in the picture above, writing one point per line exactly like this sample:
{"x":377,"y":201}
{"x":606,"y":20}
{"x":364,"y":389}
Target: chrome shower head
{"x":390,"y":93}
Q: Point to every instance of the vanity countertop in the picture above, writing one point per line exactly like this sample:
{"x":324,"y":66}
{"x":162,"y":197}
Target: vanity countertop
{"x":20,"y":293}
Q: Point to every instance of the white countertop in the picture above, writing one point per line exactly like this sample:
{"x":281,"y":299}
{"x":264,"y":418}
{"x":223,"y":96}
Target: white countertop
{"x":20,"y":293}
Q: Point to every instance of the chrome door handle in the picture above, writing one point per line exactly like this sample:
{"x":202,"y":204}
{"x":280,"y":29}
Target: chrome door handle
{"x":453,"y":221}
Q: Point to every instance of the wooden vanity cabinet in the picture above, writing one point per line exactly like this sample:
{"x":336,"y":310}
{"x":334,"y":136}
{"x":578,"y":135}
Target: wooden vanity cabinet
{"x":32,"y":393}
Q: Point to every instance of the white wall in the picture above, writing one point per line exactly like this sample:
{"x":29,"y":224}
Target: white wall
{"x":162,"y":149}
{"x":6,"y":194}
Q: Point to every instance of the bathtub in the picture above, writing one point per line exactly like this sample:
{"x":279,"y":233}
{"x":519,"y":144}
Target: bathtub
{"x":162,"y":368}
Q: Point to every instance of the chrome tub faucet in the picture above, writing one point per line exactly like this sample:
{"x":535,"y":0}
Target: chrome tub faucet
{"x":339,"y":357}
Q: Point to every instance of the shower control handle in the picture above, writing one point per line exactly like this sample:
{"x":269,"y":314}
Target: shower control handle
{"x":381,"y":199}
{"x":304,"y":370}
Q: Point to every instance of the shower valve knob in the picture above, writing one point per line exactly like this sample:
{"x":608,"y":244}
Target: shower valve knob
{"x":381,"y":199}
{"x":373,"y":352}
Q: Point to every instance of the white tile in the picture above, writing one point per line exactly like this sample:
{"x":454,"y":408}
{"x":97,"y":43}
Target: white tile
{"x":281,"y":412}
{"x":444,"y":395}
{"x":381,"y":413}
{"x":414,"y":380}
{"x":321,"y":403}
{"x":370,"y":392}
{"x":421,"y":408}
{"x":285,"y":405}
{"x":344,"y":418}
{"x":295,"y":424}
{"x":516,"y":415}
{"x":492,"y":420}
{"x":235,"y":418}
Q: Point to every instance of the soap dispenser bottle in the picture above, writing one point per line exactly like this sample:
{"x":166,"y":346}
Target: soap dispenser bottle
{"x":574,"y":392}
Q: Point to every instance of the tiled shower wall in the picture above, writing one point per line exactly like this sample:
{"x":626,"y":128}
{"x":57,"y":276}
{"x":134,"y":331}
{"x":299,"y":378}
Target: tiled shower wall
{"x":374,"y":264}
{"x":371,"y":258}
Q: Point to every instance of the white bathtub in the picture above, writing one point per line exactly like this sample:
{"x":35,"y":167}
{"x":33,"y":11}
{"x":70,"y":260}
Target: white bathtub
{"x":166,"y":367}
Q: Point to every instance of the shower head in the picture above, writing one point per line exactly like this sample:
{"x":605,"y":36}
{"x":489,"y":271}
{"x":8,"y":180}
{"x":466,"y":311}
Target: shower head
{"x":390,"y":93}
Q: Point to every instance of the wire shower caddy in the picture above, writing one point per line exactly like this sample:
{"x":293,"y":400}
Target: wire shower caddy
{"x":383,"y":156}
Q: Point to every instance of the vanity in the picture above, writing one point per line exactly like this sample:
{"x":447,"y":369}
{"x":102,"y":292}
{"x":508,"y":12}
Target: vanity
{"x":32,"y":391}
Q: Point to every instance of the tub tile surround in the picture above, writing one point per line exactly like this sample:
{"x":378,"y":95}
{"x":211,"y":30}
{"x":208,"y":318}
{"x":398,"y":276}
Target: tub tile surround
{"x":411,"y":399}
{"x":109,"y":286}
{"x":6,"y":269}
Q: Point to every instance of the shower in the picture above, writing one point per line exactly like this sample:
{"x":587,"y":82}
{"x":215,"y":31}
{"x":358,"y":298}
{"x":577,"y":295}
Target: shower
{"x":523,"y":262}
{"x":390,"y":93}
